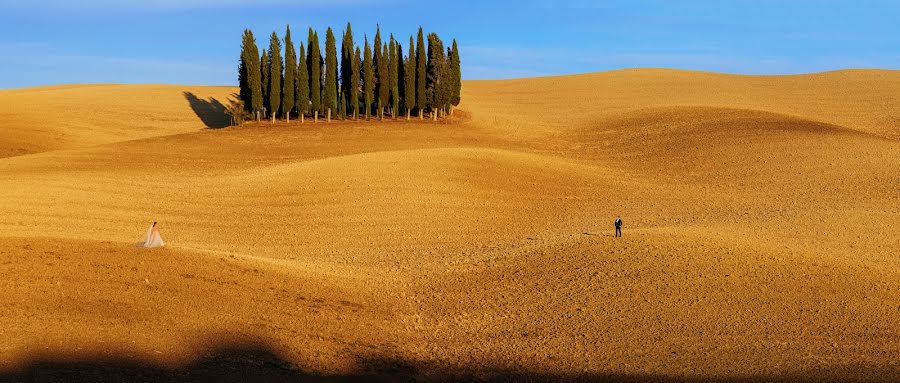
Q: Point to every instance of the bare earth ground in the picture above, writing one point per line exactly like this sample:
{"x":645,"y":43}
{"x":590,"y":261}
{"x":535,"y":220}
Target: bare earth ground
{"x":761,"y":240}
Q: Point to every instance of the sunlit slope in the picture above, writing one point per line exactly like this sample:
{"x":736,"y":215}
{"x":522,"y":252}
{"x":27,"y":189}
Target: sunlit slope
{"x":865,"y":100}
{"x":759,"y":241}
{"x":75,"y":116}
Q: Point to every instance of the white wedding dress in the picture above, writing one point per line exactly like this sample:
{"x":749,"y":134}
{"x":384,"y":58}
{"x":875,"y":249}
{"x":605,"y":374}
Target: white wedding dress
{"x":153,"y":238}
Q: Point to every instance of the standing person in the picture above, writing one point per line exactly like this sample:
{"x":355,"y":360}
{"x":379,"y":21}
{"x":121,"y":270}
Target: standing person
{"x":618,"y":226}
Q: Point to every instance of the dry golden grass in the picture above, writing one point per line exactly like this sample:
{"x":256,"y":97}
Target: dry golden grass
{"x":761,"y":231}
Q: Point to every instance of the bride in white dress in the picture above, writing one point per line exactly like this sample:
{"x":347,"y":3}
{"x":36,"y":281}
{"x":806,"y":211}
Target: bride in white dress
{"x":153,"y":237}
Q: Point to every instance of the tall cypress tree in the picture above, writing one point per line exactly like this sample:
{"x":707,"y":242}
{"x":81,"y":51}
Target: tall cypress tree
{"x":384,"y":92}
{"x":290,"y":70}
{"x":330,"y":73}
{"x":264,"y":80}
{"x":347,"y":57}
{"x":252,"y":95}
{"x":455,"y":76}
{"x":434,"y":74}
{"x":421,"y":98}
{"x":409,"y":79}
{"x":396,"y":59}
{"x":302,"y":84}
{"x":274,"y":74}
{"x":391,"y":74}
{"x":379,"y":72}
{"x":314,"y":57}
{"x":368,"y":69}
{"x":354,"y":84}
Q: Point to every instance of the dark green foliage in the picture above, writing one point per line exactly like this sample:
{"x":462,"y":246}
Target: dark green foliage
{"x":314,"y":62}
{"x":368,"y":74}
{"x":290,"y":70}
{"x":395,"y":61}
{"x":249,"y":77}
{"x":264,"y":80}
{"x":455,"y":75}
{"x":302,"y":88}
{"x":409,"y":79}
{"x":347,"y":57}
{"x":331,"y":72}
{"x":378,"y":76}
{"x":421,"y":98}
{"x":381,"y":84}
{"x":434,"y":73}
{"x":274,"y":74}
{"x":354,"y":84}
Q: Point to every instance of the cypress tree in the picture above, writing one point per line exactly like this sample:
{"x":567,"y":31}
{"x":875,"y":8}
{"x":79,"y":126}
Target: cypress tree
{"x":379,"y":72}
{"x":396,"y":59}
{"x":330,"y":73}
{"x":354,"y":84}
{"x":251,"y":66}
{"x":243,"y":82}
{"x":347,"y":57}
{"x":290,"y":70}
{"x":434,"y":74}
{"x":409,"y":79}
{"x":315,"y":73}
{"x":264,"y":80}
{"x":302,"y":88}
{"x":391,"y":74}
{"x":455,"y":76}
{"x":274,"y":75}
{"x":384,"y":80}
{"x":421,"y":98}
{"x":368,"y":74}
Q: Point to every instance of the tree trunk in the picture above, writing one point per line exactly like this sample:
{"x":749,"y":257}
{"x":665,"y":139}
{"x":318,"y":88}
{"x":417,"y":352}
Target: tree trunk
{"x":421,"y":114}
{"x":257,"y":116}
{"x":316,"y":116}
{"x":287,"y":116}
{"x":328,"y":119}
{"x":407,"y":115}
{"x":434,"y":115}
{"x":301,"y":118}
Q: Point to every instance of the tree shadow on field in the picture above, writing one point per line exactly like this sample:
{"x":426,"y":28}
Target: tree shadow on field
{"x":261,"y":362}
{"x":212,"y":112}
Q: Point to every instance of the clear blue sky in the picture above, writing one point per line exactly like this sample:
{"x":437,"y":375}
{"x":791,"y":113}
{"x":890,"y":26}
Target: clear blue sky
{"x":198,"y":41}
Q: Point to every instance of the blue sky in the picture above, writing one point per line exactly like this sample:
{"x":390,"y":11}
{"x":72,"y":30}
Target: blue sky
{"x":198,"y":41}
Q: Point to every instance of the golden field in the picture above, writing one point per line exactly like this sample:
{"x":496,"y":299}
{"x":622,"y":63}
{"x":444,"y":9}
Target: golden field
{"x":761,"y":238}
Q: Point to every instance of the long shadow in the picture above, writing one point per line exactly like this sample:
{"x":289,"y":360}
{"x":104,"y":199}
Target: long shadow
{"x":233,"y":361}
{"x":256,"y":362}
{"x":211,"y":112}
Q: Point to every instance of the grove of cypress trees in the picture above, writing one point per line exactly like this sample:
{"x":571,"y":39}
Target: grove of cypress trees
{"x":421,"y":98}
{"x":290,"y":70}
{"x":376,"y":77}
{"x":264,"y":80}
{"x":368,"y":69}
{"x":409,"y":79}
{"x":354,"y":84}
{"x":314,"y":58}
{"x":455,"y":77}
{"x":330,"y":73}
{"x":274,"y":75}
{"x":302,"y":88}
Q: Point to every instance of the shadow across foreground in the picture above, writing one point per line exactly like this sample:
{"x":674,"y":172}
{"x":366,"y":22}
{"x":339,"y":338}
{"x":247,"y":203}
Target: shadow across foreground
{"x":212,"y":112}
{"x":257,"y":362}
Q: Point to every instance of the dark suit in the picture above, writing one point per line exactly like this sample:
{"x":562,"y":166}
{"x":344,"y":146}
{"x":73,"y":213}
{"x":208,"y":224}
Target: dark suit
{"x":618,"y":227}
